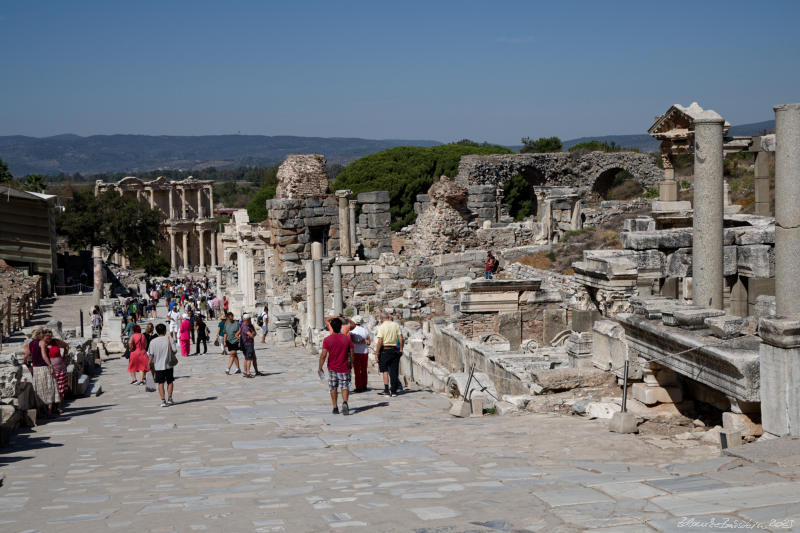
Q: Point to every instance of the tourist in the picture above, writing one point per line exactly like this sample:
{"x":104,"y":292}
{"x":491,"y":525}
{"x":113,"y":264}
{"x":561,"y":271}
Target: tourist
{"x":246,"y":336}
{"x":192,"y":318}
{"x":337,"y":348}
{"x":137,"y":361}
{"x":221,"y":336}
{"x":225,"y":305}
{"x":215,"y":308}
{"x":173,"y":317}
{"x":389,"y":350}
{"x":57,"y":360}
{"x":361,"y":340}
{"x":347,"y":324}
{"x":185,"y":336}
{"x":203,"y":307}
{"x":149,"y":333}
{"x":161,"y":352}
{"x":97,"y":323}
{"x":230,"y":329}
{"x":263,"y":321}
{"x":490,"y":265}
{"x":202,"y":335}
{"x":38,"y":362}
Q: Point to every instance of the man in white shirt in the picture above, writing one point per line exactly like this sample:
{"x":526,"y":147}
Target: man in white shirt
{"x":158,"y":352}
{"x":174,"y":317}
{"x":361,"y":339}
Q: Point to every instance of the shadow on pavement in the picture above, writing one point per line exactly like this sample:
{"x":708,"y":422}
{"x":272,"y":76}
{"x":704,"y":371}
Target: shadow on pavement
{"x":361,"y":408}
{"x":195,"y":400}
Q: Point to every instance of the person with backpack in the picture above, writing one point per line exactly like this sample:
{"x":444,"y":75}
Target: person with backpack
{"x":491,"y":265}
{"x":263,"y":323}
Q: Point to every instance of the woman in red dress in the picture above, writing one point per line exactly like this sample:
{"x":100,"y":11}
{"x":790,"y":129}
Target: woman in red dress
{"x":58,"y":362}
{"x":138,"y":361}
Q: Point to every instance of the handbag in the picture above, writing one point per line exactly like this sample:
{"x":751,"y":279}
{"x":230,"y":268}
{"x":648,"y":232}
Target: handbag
{"x":149,"y":383}
{"x":172,"y":359}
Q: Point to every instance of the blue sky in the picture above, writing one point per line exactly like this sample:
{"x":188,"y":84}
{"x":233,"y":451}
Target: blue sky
{"x":441,"y":70}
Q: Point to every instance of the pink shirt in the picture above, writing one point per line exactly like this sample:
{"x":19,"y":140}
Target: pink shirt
{"x":185,"y":330}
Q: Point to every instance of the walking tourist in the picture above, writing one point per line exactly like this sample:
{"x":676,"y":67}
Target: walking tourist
{"x":137,"y":362}
{"x":338,"y":350}
{"x":162,"y":362}
{"x":246,"y":336}
{"x":202,"y":335}
{"x":221,"y":335}
{"x":38,"y":362}
{"x":230,"y":329}
{"x":361,"y":340}
{"x":389,"y":350}
{"x":173,"y":317}
{"x":57,"y":360}
{"x":97,"y":322}
{"x":185,"y":335}
{"x":263,"y":321}
{"x":149,"y":333}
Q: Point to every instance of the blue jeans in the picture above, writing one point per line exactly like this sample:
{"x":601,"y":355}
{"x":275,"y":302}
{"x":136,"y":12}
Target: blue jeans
{"x":488,"y":274}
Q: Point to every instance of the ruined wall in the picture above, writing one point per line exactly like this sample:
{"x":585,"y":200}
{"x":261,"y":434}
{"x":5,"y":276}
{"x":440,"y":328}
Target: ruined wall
{"x":443,"y":221}
{"x":295,"y":223}
{"x":302,"y":176}
{"x":555,"y":169}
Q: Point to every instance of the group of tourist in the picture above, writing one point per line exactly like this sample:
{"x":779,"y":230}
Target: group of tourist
{"x":346,"y":350}
{"x":45,"y":358}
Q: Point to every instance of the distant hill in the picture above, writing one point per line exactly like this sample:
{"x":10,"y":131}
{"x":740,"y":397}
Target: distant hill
{"x":138,"y":153}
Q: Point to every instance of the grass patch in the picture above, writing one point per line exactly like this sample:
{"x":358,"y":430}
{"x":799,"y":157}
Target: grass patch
{"x":574,"y":233}
{"x":651,"y":193}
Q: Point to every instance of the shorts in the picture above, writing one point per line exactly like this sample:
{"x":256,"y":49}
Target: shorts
{"x":386,"y":355}
{"x":232,"y":346}
{"x":264,"y":328}
{"x":337,"y":379}
{"x":162,"y":376}
{"x":249,"y":352}
{"x":173,"y":327}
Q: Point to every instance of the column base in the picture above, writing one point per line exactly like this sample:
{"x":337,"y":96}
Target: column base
{"x":668,"y":191}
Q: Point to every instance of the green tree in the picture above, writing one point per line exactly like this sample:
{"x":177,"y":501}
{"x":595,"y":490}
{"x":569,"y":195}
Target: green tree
{"x":119,"y":223}
{"x":406,"y":171}
{"x":519,"y":198}
{"x":35,"y":183}
{"x":5,"y":176}
{"x":541,"y":145}
{"x":600,"y":146}
{"x":257,"y":207}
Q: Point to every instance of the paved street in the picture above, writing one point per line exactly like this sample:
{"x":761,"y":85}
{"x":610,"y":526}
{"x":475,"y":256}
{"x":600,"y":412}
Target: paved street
{"x":266,"y":454}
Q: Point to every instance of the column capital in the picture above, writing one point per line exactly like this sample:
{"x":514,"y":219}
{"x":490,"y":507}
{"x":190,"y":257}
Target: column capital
{"x":344,"y":193}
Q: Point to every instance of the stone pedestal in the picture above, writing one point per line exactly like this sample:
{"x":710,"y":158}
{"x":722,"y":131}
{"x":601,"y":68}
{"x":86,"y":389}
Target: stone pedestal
{"x":787,"y":215}
{"x":668,"y":189}
{"x":780,"y":395}
{"x":311,"y":316}
{"x":707,"y":263}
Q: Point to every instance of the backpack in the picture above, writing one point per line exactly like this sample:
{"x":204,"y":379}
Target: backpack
{"x":495,"y":266}
{"x":260,"y":320}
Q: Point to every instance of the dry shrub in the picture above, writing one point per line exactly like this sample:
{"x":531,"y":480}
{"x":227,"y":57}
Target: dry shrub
{"x":539,"y":260}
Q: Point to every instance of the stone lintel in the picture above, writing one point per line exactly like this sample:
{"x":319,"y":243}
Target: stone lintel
{"x":503,"y":285}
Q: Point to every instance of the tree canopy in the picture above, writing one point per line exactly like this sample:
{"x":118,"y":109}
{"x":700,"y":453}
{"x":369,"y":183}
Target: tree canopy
{"x":406,"y":171}
{"x":540,"y":145}
{"x":5,"y":175}
{"x":120,"y":223}
{"x":600,"y":146}
{"x":519,"y":198}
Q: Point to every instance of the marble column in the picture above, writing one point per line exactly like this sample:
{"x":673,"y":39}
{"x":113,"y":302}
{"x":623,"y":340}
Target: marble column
{"x":171,"y":207}
{"x":185,"y":250}
{"x":97,"y":257}
{"x":576,"y":221}
{"x":338,"y":301}
{"x":311,"y":313}
{"x":211,"y":201}
{"x":152,"y":198}
{"x":201,"y":238}
{"x":319,"y":297}
{"x":213,"y":248}
{"x":183,"y":203}
{"x":353,"y":244}
{"x":787,"y":214}
{"x":707,"y":251}
{"x":344,"y":222}
{"x":763,"y":206}
{"x":173,"y":261}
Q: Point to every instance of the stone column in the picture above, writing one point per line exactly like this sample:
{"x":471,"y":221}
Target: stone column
{"x":186,"y":250}
{"x":787,"y":214}
{"x":707,"y":252}
{"x":338,"y":303}
{"x":213,"y":248}
{"x":201,"y":234}
{"x":344,"y":222}
{"x":576,"y":223}
{"x":171,"y":208}
{"x":311,"y":313}
{"x":353,"y":245}
{"x":763,"y":205}
{"x":172,"y":251}
{"x":668,"y":188}
{"x":211,"y":201}
{"x":183,"y":203}
{"x":319,"y":297}
{"x":152,"y":198}
{"x":97,"y":257}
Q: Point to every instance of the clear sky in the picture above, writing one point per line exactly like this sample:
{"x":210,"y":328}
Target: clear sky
{"x":440,"y":70}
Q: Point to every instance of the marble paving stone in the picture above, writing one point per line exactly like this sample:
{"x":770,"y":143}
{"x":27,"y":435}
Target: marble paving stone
{"x":289,"y":442}
{"x":222,"y":471}
{"x":713,"y":523}
{"x":433,"y":513}
{"x":687,"y":484}
{"x":400,"y":451}
{"x":557,"y":498}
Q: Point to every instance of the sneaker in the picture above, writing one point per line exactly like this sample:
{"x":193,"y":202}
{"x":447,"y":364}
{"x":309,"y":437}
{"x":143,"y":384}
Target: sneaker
{"x":393,"y":394}
{"x":345,"y":409}
{"x":336,"y":410}
{"x":169,"y":401}
{"x":163,"y":403}
{"x":384,"y":393}
{"x":228,"y":371}
{"x":238,"y":371}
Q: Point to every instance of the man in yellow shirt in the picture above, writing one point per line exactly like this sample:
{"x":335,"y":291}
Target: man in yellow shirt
{"x":389,"y":350}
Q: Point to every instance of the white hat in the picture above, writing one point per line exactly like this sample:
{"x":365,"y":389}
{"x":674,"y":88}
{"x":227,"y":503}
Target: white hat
{"x":185,"y":315}
{"x":358,"y":319}
{"x":245,"y":316}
